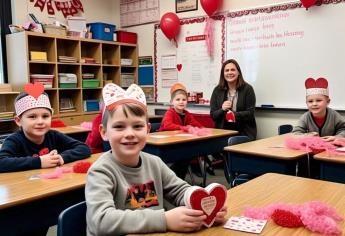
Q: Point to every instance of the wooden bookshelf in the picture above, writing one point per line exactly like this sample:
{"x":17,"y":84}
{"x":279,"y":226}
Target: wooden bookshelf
{"x":105,"y":66}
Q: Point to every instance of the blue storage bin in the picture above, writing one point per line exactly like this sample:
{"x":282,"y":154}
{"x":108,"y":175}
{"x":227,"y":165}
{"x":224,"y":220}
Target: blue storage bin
{"x":91,"y":105}
{"x":102,"y":31}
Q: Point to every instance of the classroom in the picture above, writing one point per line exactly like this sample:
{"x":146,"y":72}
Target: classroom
{"x":81,"y":50}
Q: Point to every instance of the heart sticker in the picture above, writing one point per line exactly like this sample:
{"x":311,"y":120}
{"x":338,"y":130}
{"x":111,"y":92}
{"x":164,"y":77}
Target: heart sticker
{"x":179,"y":67}
{"x":210,"y":200}
{"x":35,"y":89}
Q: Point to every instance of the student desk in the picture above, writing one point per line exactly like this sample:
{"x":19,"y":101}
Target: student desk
{"x":76,"y":132}
{"x":172,"y":146}
{"x":273,"y":188}
{"x":263,"y":156}
{"x":26,"y":203}
{"x":332,"y":166}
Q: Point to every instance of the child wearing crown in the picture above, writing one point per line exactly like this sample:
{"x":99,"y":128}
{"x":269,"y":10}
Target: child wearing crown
{"x":320,"y":119}
{"x":34,"y":145}
{"x":125,"y":187}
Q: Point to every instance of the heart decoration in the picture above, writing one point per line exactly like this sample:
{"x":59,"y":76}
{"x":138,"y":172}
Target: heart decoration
{"x":114,"y":95}
{"x":34,"y":90}
{"x":319,"y":83}
{"x":230,"y":116}
{"x":210,"y":200}
{"x":179,"y":67}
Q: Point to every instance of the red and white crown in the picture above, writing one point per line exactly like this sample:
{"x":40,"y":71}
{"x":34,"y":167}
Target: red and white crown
{"x":35,"y":99}
{"x":114,"y":95}
{"x":319,"y":86}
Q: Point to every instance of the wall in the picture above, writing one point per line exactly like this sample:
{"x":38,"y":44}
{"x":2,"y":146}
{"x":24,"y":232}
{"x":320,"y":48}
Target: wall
{"x":94,"y":11}
{"x":108,"y":11}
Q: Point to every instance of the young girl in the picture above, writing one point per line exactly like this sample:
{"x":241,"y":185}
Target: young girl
{"x":178,"y":117}
{"x":34,"y":145}
{"x":125,"y":187}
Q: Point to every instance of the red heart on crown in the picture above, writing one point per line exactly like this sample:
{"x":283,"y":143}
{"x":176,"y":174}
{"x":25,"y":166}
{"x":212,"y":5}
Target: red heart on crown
{"x":319,"y":83}
{"x":209,"y":200}
{"x":179,"y":67}
{"x":34,"y":90}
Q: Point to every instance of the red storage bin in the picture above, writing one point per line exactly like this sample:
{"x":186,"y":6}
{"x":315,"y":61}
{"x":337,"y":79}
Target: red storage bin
{"x":126,"y":37}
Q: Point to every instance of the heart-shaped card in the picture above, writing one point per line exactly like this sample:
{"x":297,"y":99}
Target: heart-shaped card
{"x":210,"y":200}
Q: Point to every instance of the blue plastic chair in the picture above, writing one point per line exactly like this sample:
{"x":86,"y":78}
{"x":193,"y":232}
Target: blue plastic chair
{"x":160,"y":111}
{"x":284,"y":129}
{"x":232,"y":178}
{"x":155,"y":127}
{"x":72,"y":221}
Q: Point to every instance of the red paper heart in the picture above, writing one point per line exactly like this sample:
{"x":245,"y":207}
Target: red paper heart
{"x":179,"y":67}
{"x":319,"y":83}
{"x":201,"y":199}
{"x":34,"y":90}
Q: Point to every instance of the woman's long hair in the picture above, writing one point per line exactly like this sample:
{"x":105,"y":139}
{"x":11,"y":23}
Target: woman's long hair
{"x":223,"y":84}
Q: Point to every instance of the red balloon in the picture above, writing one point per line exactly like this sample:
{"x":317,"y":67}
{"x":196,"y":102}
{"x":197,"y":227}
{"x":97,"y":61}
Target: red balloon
{"x":170,"y":25}
{"x":308,"y":3}
{"x":210,"y":6}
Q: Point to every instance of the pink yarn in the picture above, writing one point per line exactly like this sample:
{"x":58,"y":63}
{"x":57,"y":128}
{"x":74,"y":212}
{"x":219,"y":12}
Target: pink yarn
{"x":57,"y":173}
{"x":316,"y":216}
{"x":313,"y":144}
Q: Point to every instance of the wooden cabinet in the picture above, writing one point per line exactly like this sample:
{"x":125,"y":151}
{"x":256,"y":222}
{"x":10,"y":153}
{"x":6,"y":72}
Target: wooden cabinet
{"x":87,"y":59}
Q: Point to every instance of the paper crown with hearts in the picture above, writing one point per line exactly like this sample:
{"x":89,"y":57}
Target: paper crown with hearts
{"x":35,"y":98}
{"x":177,"y":86}
{"x":319,"y":86}
{"x":114,"y":95}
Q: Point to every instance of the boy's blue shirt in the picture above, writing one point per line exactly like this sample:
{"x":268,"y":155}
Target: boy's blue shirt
{"x":18,"y":153}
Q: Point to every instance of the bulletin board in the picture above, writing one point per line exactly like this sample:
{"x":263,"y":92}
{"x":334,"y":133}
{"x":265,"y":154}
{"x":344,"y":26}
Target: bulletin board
{"x":189,"y":62}
{"x":279,"y":47}
{"x":137,"y":12}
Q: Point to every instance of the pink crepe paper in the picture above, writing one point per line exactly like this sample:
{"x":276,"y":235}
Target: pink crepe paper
{"x":208,"y":31}
{"x":313,"y":144}
{"x":196,"y":130}
{"x":57,"y":173}
{"x":315,"y":216}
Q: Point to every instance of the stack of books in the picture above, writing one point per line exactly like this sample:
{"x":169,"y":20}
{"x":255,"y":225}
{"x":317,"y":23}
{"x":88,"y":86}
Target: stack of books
{"x":67,"y":59}
{"x":6,"y":116}
{"x":88,"y":76}
{"x":88,"y":60}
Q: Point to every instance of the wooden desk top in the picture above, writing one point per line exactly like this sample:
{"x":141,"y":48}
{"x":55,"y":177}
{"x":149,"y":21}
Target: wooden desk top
{"x":16,"y":188}
{"x":324,"y":156}
{"x":272,"y":147}
{"x":178,"y":136}
{"x":273,"y":188}
{"x":71,"y":129}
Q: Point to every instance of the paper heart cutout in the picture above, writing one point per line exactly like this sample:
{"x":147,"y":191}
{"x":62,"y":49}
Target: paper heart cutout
{"x":179,"y":67}
{"x":35,"y":89}
{"x":319,"y":83}
{"x":210,"y":200}
{"x":114,"y":95}
{"x":230,"y":116}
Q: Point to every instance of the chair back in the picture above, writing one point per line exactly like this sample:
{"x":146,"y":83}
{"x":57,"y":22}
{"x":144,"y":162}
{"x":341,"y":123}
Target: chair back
{"x":160,"y":112}
{"x":284,"y":129}
{"x":155,"y":127}
{"x":72,"y":221}
{"x":233,"y":141}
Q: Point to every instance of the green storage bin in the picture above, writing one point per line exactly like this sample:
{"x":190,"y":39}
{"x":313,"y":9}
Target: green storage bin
{"x":67,"y":85}
{"x":90,"y":83}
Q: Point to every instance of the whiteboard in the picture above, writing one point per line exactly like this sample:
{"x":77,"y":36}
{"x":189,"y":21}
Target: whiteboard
{"x":277,"y":51}
{"x":199,"y":71}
